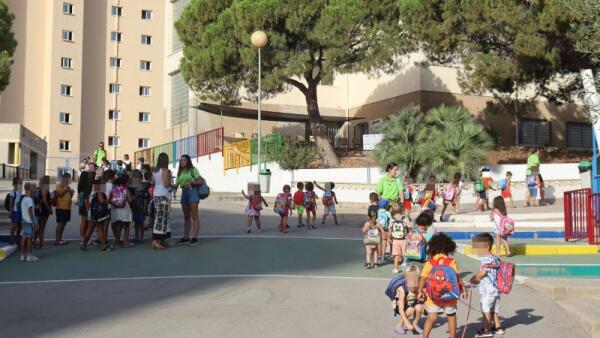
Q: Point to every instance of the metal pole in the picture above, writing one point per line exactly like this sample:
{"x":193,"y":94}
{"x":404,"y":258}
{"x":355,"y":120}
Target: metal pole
{"x":259,"y":117}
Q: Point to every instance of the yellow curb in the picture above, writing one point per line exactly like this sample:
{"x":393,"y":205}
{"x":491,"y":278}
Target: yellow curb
{"x":542,"y":250}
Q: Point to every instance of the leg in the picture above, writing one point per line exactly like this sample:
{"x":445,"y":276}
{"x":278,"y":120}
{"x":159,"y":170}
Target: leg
{"x":41,"y":230}
{"x":335,"y":219}
{"x":527,"y":197}
{"x":187,"y":220}
{"x":258,"y":223}
{"x":487,"y":319}
{"x":324,"y":217}
{"x":284,"y":220}
{"x":248,"y":223}
{"x":126,"y":234}
{"x":409,"y":313}
{"x":496,"y":318}
{"x":22,"y":246}
{"x":443,"y":211}
{"x":452,"y":325}
{"x":82,"y":225}
{"x":367,"y":254}
{"x":13,"y":232}
{"x":195,"y":219}
{"x":299,"y":219}
{"x":506,"y":246}
{"x":29,"y":244}
{"x":418,"y":313}
{"x":117,"y":232}
{"x":60,"y":226}
{"x":431,"y":318}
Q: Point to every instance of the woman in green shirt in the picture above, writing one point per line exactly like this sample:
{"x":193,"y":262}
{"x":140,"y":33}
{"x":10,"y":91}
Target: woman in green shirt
{"x":389,"y":187}
{"x":189,"y":179}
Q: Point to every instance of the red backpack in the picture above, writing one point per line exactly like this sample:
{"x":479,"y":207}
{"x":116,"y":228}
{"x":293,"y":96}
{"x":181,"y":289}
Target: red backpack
{"x":256,"y":202}
{"x":505,"y":275}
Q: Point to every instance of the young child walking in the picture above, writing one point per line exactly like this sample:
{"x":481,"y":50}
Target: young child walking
{"x":30,"y":224}
{"x":399,"y":229}
{"x":373,"y":203}
{"x":488,"y":287}
{"x":252,"y":211}
{"x":299,"y":203}
{"x":505,"y":185}
{"x":441,"y":276}
{"x":310,"y":205}
{"x":408,"y":306}
{"x":450,"y":194}
{"x":408,"y":192}
{"x":283,"y":207}
{"x":480,"y":193}
{"x":141,"y":193}
{"x":372,"y":238}
{"x":329,"y":201}
{"x":383,"y":219}
{"x":503,"y":224}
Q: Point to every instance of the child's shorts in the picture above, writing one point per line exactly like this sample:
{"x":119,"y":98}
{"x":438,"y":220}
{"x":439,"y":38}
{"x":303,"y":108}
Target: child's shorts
{"x":397,"y":245}
{"x":506,"y":193}
{"x":27,"y":230}
{"x":490,"y":304}
{"x":299,"y":210}
{"x":482,"y":195}
{"x":407,"y":204}
{"x":433,"y":308}
{"x":329,"y":209}
{"x":533,"y":192}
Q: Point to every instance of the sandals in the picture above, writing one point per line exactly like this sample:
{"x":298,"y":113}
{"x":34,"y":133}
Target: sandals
{"x":61,"y":243}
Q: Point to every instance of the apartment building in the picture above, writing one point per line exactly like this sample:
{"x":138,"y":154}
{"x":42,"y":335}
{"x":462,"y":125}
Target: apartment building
{"x":85,"y":72}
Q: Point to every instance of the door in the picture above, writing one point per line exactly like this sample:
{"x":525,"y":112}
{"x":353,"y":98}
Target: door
{"x":33,"y":165}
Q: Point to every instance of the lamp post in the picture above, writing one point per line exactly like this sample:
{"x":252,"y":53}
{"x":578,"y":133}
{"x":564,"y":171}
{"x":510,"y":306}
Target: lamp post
{"x":259,"y":40}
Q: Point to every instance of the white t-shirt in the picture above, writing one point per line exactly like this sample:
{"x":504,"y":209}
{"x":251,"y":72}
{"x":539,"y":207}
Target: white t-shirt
{"x":160,"y":190}
{"x":27,"y":203}
{"x":496,"y":222}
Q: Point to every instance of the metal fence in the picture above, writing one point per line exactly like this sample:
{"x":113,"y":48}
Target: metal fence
{"x":236,"y":155}
{"x":582,"y":215}
{"x":270,"y":145}
{"x":9,"y":172}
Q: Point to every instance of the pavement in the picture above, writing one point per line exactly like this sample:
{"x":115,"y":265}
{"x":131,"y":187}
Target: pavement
{"x":304,"y":283}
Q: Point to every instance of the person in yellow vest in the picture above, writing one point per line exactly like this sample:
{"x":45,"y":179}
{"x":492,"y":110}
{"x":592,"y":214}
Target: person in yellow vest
{"x":99,"y":154}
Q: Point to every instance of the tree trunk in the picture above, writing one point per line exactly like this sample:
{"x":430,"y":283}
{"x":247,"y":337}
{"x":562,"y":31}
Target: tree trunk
{"x":318,"y":128}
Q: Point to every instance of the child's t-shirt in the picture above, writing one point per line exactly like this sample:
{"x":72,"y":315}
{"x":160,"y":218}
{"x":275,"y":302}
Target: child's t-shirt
{"x":299,"y":198}
{"x":425,"y":274}
{"x":16,"y":197}
{"x":383,"y":218}
{"x":496,"y":221}
{"x":487,"y":285}
{"x":27,"y":203}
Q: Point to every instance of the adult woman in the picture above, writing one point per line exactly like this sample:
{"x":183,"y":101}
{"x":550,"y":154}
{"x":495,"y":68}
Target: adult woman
{"x":189,"y":179}
{"x":162,"y":182}
{"x":389,"y":187}
{"x":45,"y":210}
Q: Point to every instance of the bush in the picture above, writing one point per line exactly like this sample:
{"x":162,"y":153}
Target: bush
{"x":293,"y":156}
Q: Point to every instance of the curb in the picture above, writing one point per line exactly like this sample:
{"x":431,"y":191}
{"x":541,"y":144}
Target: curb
{"x":6,"y":250}
{"x":545,"y":250}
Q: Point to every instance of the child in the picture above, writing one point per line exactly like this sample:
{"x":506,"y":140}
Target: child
{"x":399,"y":229}
{"x":100,"y":215}
{"x":424,"y":225}
{"x":540,"y":185}
{"x":310,"y":204}
{"x":121,"y":217}
{"x":29,"y":224}
{"x":14,"y":209}
{"x":407,"y":304}
{"x":299,"y":203}
{"x":383,"y":219}
{"x":488,"y":289}
{"x":141,"y":193}
{"x":428,"y":201}
{"x":372,"y":238}
{"x":450,"y":194}
{"x":329,"y":201}
{"x":505,"y":188}
{"x":408,"y":196}
{"x":440,"y":247}
{"x":283,"y":207}
{"x":255,"y":203}
{"x":532,"y":188}
{"x":480,"y":193}
{"x":458,"y":176}
{"x":374,"y":203}
{"x":496,"y":216}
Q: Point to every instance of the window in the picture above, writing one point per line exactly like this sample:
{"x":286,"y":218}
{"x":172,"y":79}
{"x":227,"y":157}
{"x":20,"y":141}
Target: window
{"x":144,"y":65}
{"x":144,"y":117}
{"x":146,"y":14}
{"x":143,"y":142}
{"x":116,"y":36}
{"x":533,"y":132}
{"x":144,"y":91}
{"x":116,"y":11}
{"x":579,"y":135}
{"x":64,"y":145}
{"x":178,"y":7}
{"x":67,"y":35}
{"x":67,"y":8}
{"x":114,"y":114}
{"x":114,"y":88}
{"x":115,"y":62}
{"x":146,"y":39}
{"x":374,"y":126}
{"x":113,"y":141}
{"x":64,"y":118}
{"x":180,"y":99}
{"x":65,"y":62}
{"x":65,"y":90}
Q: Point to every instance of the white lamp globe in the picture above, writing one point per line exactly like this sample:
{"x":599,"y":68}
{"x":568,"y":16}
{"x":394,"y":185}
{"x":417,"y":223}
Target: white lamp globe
{"x":259,"y":39}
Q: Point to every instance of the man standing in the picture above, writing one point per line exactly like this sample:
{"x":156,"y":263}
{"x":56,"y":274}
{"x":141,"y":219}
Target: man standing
{"x":99,"y":154}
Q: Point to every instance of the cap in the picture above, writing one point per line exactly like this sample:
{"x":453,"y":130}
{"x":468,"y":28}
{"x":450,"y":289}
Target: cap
{"x":383,"y":203}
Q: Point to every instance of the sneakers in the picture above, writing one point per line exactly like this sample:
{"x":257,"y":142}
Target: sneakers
{"x":417,"y":330}
{"x":194,"y":241}
{"x":395,"y":271}
{"x":32,"y":258}
{"x":22,"y":259}
{"x":183,"y":241}
{"x":400,"y":330}
{"x":483,"y":334}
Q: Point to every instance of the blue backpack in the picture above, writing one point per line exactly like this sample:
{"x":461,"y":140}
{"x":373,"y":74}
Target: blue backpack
{"x":442,"y":282}
{"x":393,"y":286}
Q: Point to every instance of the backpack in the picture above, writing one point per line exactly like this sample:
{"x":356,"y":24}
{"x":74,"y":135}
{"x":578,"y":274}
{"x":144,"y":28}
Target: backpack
{"x":393,"y":286}
{"x":382,"y":218}
{"x":328,"y":198}
{"x":479,"y":186}
{"x":407,"y":194}
{"x":7,"y":201}
{"x":504,"y":276}
{"x":506,"y":227}
{"x":442,"y":282}
{"x":531,"y":181}
{"x":309,"y":200}
{"x":280,"y":205}
{"x":119,"y":197}
{"x":414,"y":247}
{"x":99,"y":210}
{"x":141,"y":195}
{"x":449,"y":192}
{"x":256,"y":202}
{"x":372,"y":237}
{"x":398,"y":228}
{"x":502,"y":184}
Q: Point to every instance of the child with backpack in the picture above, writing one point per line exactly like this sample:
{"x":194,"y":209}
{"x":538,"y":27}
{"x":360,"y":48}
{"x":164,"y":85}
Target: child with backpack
{"x":310,"y":205}
{"x":141,"y":193}
{"x":399,"y":229}
{"x":121,"y":217}
{"x":450,"y":194}
{"x":487,"y":278}
{"x":100,"y":216}
{"x":402,"y":291}
{"x":373,"y":203}
{"x":430,"y":194}
{"x":299,"y":203}
{"x":415,"y":245}
{"x":480,"y":193}
{"x":540,"y":185}
{"x":252,"y":211}
{"x":283,"y":207}
{"x":329,"y":201}
{"x":12,"y":204}
{"x":458,"y":176}
{"x":440,"y":275}
{"x":505,"y":185}
{"x":408,"y":192}
{"x":372,"y":238}
{"x":503,"y":224}
{"x":30,"y":224}
{"x":383,"y":219}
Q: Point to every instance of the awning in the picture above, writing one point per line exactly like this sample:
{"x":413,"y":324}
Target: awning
{"x":267,"y":115}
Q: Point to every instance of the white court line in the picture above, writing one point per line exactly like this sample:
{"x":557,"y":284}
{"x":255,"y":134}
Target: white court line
{"x":244,"y":236}
{"x":188,"y":277}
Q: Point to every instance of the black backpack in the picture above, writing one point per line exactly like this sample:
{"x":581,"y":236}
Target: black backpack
{"x":7,"y":201}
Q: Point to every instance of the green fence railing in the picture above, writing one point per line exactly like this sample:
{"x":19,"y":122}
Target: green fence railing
{"x":271,"y":144}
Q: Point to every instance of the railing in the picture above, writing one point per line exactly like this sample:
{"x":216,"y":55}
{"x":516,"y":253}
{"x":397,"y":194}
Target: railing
{"x":236,"y":155}
{"x":582,"y":215}
{"x":9,"y":172}
{"x":209,"y":142}
{"x":271,"y":144}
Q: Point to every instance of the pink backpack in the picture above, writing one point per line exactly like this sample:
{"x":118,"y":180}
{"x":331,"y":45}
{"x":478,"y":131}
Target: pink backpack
{"x":119,"y":197}
{"x":449,"y":192}
{"x":506,"y":225}
{"x":505,"y":275}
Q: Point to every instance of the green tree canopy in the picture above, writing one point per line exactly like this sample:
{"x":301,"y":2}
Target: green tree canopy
{"x":503,"y":45}
{"x":587,"y":26}
{"x":309,"y":41}
{"x":7,"y":44}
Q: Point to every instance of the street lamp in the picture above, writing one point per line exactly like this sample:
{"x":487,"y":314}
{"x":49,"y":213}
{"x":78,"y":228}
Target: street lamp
{"x":259,"y":40}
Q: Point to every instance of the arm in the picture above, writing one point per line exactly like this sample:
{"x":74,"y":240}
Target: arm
{"x":10,"y":204}
{"x":478,"y":276}
{"x":492,"y":215}
{"x":400,"y":303}
{"x":318,"y":186}
{"x":32,"y":217}
{"x":87,"y":203}
{"x":334,"y":197}
{"x":244,"y":194}
{"x":379,"y":188}
{"x":421,"y":294}
{"x":264,"y":202}
{"x":166,"y":178}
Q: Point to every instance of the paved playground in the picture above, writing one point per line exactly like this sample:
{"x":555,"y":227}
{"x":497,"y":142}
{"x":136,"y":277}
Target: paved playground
{"x":305,"y":283}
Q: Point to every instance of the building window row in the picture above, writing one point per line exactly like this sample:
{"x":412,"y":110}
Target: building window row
{"x":146,"y":39}
{"x":116,"y":36}
{"x":118,"y":11}
{"x":144,"y":91}
{"x":114,"y":88}
{"x":144,"y":65}
{"x":115,"y":62}
{"x":143,"y":142}
{"x":113,"y":141}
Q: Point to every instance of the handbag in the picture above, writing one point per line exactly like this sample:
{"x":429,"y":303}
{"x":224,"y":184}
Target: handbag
{"x":203,"y":190}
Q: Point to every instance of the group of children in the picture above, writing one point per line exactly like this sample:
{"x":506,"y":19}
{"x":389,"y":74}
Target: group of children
{"x":303,"y":200}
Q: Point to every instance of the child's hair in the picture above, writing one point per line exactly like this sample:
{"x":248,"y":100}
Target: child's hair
{"x":286,"y":188}
{"x":29,"y":187}
{"x":66,"y":175}
{"x":373,"y":197}
{"x":484,"y":237}
{"x":500,"y":205}
{"x":425,"y":218}
{"x":508,"y":173}
{"x":397,"y":208}
{"x":539,"y":176}
{"x":413,"y":268}
{"x":440,"y":243}
{"x":372,"y":216}
{"x":16,"y":180}
{"x":331,"y":185}
{"x":109,"y":175}
{"x":147,"y":175}
{"x":432,"y":178}
{"x":457,"y":178}
{"x":300,"y":186}
{"x":310,"y":186}
{"x":121,"y":180}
